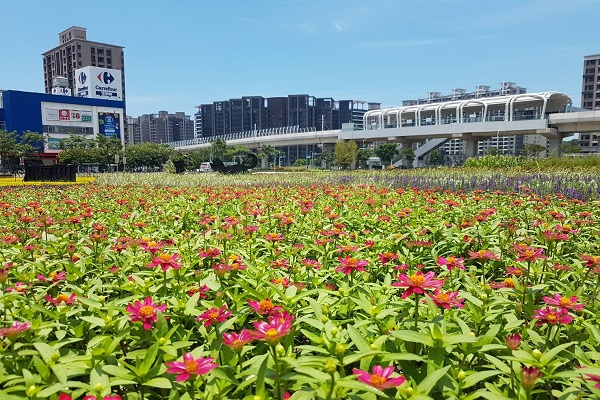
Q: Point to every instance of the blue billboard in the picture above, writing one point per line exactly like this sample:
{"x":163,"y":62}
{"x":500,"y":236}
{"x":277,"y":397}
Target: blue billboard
{"x":109,"y":124}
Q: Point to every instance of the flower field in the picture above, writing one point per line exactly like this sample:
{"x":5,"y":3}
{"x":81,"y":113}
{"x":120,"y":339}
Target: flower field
{"x":346,"y":287}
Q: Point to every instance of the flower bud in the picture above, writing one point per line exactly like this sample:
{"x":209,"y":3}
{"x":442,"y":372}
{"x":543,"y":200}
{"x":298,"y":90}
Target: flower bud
{"x":324,"y":319}
{"x":461,"y":375}
{"x":374,"y":346}
{"x":162,"y":341}
{"x":340,"y":348}
{"x":529,"y":376}
{"x":330,"y":366}
{"x":280,"y":350}
{"x":325,"y":308}
{"x":513,"y":341}
{"x":55,"y":356}
{"x":31,"y":390}
{"x":98,"y":388}
{"x":536,"y":354}
{"x":334,"y":331}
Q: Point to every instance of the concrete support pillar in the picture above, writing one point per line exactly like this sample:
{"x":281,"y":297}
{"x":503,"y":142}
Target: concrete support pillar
{"x":264,"y":163}
{"x":471,"y":147}
{"x":554,"y":146}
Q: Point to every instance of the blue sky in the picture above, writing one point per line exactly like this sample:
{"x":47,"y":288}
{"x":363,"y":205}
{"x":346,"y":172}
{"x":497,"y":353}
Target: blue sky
{"x":181,"y":53}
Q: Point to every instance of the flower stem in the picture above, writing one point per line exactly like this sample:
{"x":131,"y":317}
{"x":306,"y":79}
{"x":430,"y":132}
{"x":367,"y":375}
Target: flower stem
{"x":279,"y":395}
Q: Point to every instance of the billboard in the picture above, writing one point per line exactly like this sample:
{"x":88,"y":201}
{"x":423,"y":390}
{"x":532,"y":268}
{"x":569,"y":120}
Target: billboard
{"x":67,"y":115}
{"x":98,"y":83}
{"x":109,"y":124}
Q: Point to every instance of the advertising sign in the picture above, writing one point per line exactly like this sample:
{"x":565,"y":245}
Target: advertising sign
{"x":98,"y":83}
{"x":62,"y":91}
{"x":51,"y":114}
{"x":109,"y":124}
{"x":64,"y":115}
{"x":53,"y":144}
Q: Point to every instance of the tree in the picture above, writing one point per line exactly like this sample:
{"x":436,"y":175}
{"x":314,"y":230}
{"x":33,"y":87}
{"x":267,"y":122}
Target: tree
{"x":301,"y":162}
{"x":570,"y":147}
{"x":491,"y":151}
{"x":386,"y":152}
{"x":345,"y":153}
{"x":8,"y":148}
{"x":532,"y":150}
{"x":218,"y":148}
{"x":148,"y":155}
{"x":362,"y":156}
{"x":268,"y":152}
{"x":325,"y":157}
{"x":436,"y":157}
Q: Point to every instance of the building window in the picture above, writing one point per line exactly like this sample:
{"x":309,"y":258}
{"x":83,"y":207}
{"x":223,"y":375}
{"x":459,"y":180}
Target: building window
{"x":93,"y":58}
{"x":108,"y":53}
{"x":93,"y":50}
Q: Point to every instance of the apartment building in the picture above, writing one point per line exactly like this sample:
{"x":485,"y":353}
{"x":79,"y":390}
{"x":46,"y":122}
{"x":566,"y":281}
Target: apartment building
{"x":590,"y":100}
{"x":160,"y":128}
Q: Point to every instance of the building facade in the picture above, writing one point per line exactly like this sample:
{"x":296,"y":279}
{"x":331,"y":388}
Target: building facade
{"x":160,"y":128}
{"x":590,"y":100}
{"x":74,"y":52}
{"x":250,"y":113}
{"x":58,"y":117}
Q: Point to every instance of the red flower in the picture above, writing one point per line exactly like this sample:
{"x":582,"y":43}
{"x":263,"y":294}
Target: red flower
{"x":417,"y":282}
{"x":237,"y":341}
{"x":190,"y":367}
{"x":272,"y":331}
{"x":152,"y":246}
{"x":311,"y":263}
{"x":567,"y":303}
{"x":62,"y":298}
{"x":214,"y":315}
{"x":446,"y":300}
{"x":274,"y":237}
{"x":350,"y":264}
{"x":380,"y":378}
{"x":530,"y":254}
{"x":54,"y":277}
{"x":145,"y":312}
{"x":552,"y":316}
{"x":262,"y":307}
{"x":451,"y":262}
{"x":386,"y":257}
{"x":210,"y":252}
{"x":166,"y":261}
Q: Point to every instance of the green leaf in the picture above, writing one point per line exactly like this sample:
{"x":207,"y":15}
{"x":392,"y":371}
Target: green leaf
{"x":159,"y":382}
{"x":46,"y":351}
{"x":358,"y":339}
{"x":149,"y":360}
{"x":414,"y":337}
{"x":430,"y":380}
{"x":477,"y":377}
{"x":550,"y":354}
{"x":361,"y":387}
{"x":94,"y":321}
{"x":454,"y":339}
{"x":118,"y":371}
{"x":349,"y":359}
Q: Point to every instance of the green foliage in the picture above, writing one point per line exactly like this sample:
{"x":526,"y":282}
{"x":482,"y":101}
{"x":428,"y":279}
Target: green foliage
{"x":169,"y":167}
{"x":301,"y":162}
{"x":495,"y":162}
{"x":149,"y":155}
{"x":436,"y":157}
{"x":345,"y":153}
{"x":387,"y":151}
{"x":362,"y":156}
{"x":570,"y":147}
{"x":532,"y":150}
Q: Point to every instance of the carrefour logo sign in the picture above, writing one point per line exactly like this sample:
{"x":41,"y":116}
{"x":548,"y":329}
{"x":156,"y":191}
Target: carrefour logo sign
{"x":106,"y":77}
{"x":82,"y":78}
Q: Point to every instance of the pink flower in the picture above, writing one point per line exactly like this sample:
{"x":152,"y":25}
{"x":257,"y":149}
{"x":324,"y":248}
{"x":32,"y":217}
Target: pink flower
{"x":483,"y":255}
{"x":62,"y":298}
{"x":451,"y":262}
{"x":272,"y":331}
{"x":567,"y":303}
{"x":417,"y":282}
{"x":380,"y":378}
{"x":210,"y":252}
{"x":552,"y":316}
{"x":274,"y":237}
{"x":530,"y":254}
{"x":594,"y":378}
{"x":213,"y":315}
{"x":529,"y":376}
{"x":312,"y":263}
{"x":166,"y":261}
{"x":145,"y":312}
{"x":446,"y":300}
{"x":386,"y":257}
{"x":350,"y":264}
{"x":13,"y":331}
{"x":280,"y":264}
{"x":262,"y":307}
{"x":54,"y":277}
{"x":513,"y":341}
{"x":190,"y":367}
{"x":237,"y":341}
{"x":590,"y":261}
{"x":152,"y":246}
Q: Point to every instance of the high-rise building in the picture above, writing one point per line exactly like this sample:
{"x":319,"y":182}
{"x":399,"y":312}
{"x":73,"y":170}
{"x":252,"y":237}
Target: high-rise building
{"x":160,"y":128}
{"x":75,"y":51}
{"x":303,"y":111}
{"x":590,"y":99}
